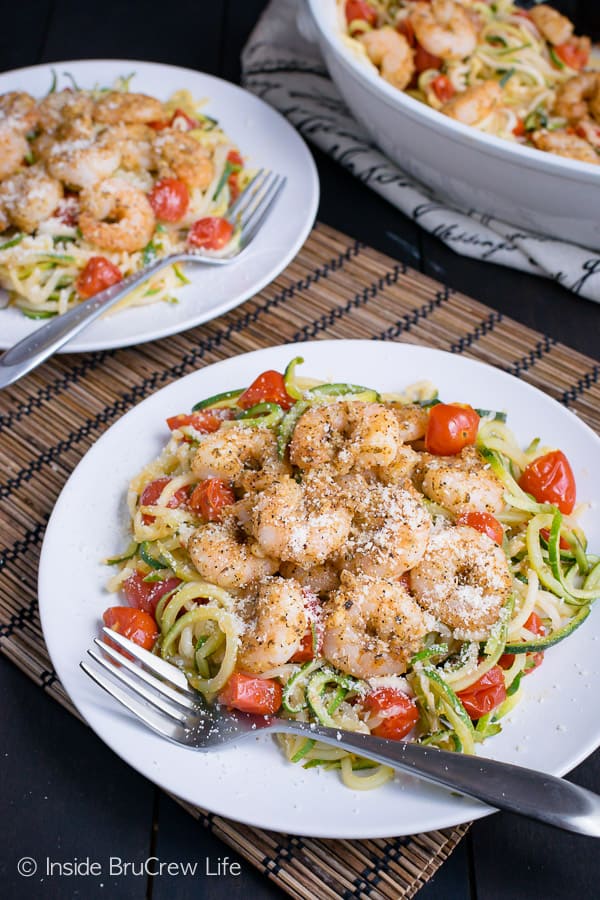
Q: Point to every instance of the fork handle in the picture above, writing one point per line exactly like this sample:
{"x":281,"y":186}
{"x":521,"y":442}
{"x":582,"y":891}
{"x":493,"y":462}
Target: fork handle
{"x":525,"y":791}
{"x":32,"y":350}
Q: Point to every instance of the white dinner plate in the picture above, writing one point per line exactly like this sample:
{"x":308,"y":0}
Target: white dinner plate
{"x":265,"y":139}
{"x":552,"y":729}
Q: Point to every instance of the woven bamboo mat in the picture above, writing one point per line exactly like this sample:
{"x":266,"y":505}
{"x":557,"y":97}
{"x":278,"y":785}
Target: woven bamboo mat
{"x":335,"y":288}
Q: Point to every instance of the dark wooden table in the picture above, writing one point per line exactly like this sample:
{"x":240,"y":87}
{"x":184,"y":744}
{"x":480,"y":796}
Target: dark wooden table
{"x":64,"y":795}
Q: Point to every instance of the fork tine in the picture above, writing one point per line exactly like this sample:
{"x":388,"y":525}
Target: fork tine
{"x":262,"y":212}
{"x":247,"y":194}
{"x":154,"y":664}
{"x":138,"y":688}
{"x":153,"y":720}
{"x":257,"y":199}
{"x":160,"y":686}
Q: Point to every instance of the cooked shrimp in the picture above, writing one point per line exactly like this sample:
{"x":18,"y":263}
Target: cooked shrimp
{"x":302,"y":523}
{"x":240,"y":455}
{"x":19,"y":111}
{"x":116,"y":216}
{"x":390,"y":527}
{"x":463,"y":580}
{"x":275,"y":616}
{"x":590,"y":131}
{"x":30,"y":197}
{"x":82,"y":161}
{"x":412,"y":420}
{"x":179,"y":154}
{"x":392,"y":54}
{"x":115,"y":107}
{"x":346,"y":434}
{"x":4,"y":220}
{"x":64,"y":107}
{"x":556,"y":28}
{"x":371,"y":627}
{"x":578,"y":97}
{"x":13,"y":150}
{"x":319,"y":579}
{"x":444,"y":29}
{"x":134,"y":143}
{"x":462,"y":483}
{"x":564,"y":144}
{"x":475,"y":103}
{"x":402,"y":468}
{"x":222,"y":555}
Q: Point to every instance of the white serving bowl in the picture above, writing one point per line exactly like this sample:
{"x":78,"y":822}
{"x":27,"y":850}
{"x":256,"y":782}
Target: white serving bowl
{"x":532,"y":190}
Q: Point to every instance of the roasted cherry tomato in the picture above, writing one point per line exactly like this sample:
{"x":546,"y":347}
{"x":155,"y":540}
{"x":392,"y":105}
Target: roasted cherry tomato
{"x":484,"y":522}
{"x":145,"y":595}
{"x":359,"y":9}
{"x":169,"y":198}
{"x":550,"y":479}
{"x":205,"y":420}
{"x":312,"y":640}
{"x":211,"y":233}
{"x":450,"y":428}
{"x":425,"y":60}
{"x":152,"y":492}
{"x":519,"y":129}
{"x":536,"y":626}
{"x":485,"y":695}
{"x":398,"y":713}
{"x":179,"y":120}
{"x":443,"y":87}
{"x":269,"y":387}
{"x":574,"y":53}
{"x":210,"y":497}
{"x":135,"y":624}
{"x":261,"y":696}
{"x":97,"y":275}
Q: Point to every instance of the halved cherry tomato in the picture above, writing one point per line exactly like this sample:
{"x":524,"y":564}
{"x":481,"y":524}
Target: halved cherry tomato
{"x":211,"y":233}
{"x":169,"y":198}
{"x":145,"y":595}
{"x":268,"y":387}
{"x":312,"y":640}
{"x":177,"y":120}
{"x":484,"y":522}
{"x":97,"y":275}
{"x":485,"y":695}
{"x":519,"y":129}
{"x":574,"y":53}
{"x":235,"y":159}
{"x":135,"y":624}
{"x":152,"y":492}
{"x":563,"y":543}
{"x":450,"y":428}
{"x":359,"y":9}
{"x":210,"y":497}
{"x":550,"y":479}
{"x":425,"y":60}
{"x":443,"y":87}
{"x":397,"y":711}
{"x":405,"y":27}
{"x":536,"y":626}
{"x":261,"y":696}
{"x":205,"y":420}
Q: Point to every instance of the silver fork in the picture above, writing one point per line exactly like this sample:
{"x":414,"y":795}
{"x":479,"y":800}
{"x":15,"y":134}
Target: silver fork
{"x":160,"y":695}
{"x":250,"y":211}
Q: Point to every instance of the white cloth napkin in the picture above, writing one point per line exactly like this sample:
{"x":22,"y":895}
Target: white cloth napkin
{"x":287,"y":70}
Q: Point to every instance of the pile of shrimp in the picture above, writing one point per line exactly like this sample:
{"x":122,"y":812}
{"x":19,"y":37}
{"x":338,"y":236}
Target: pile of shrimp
{"x":77,"y":170}
{"x":492,"y":65}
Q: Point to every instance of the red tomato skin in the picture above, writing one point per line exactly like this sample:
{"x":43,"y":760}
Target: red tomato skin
{"x":443,"y":87}
{"x":210,"y":497}
{"x":152,"y":492}
{"x":269,"y":387}
{"x":359,"y":9}
{"x":484,"y":522}
{"x":485,"y":695}
{"x":573,"y":53}
{"x":425,"y":60}
{"x":145,"y":595}
{"x":204,"y":421}
{"x":169,"y":198}
{"x":135,"y":624}
{"x":210,"y":233}
{"x":536,"y":626}
{"x":519,"y":129}
{"x":550,"y":479}
{"x":563,"y":544}
{"x":399,"y":711}
{"x":97,"y":275}
{"x":450,"y":428}
{"x":314,"y":632}
{"x":235,"y":159}
{"x":261,"y":696}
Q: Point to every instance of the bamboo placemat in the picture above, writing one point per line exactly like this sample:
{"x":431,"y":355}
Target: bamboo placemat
{"x":335,"y":288}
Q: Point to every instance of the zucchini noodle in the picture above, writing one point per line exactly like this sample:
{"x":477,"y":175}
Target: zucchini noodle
{"x":203,"y":626}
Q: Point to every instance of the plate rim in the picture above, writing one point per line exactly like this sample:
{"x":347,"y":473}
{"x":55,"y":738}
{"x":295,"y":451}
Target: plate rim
{"x":476,"y":809}
{"x":79,"y":344}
